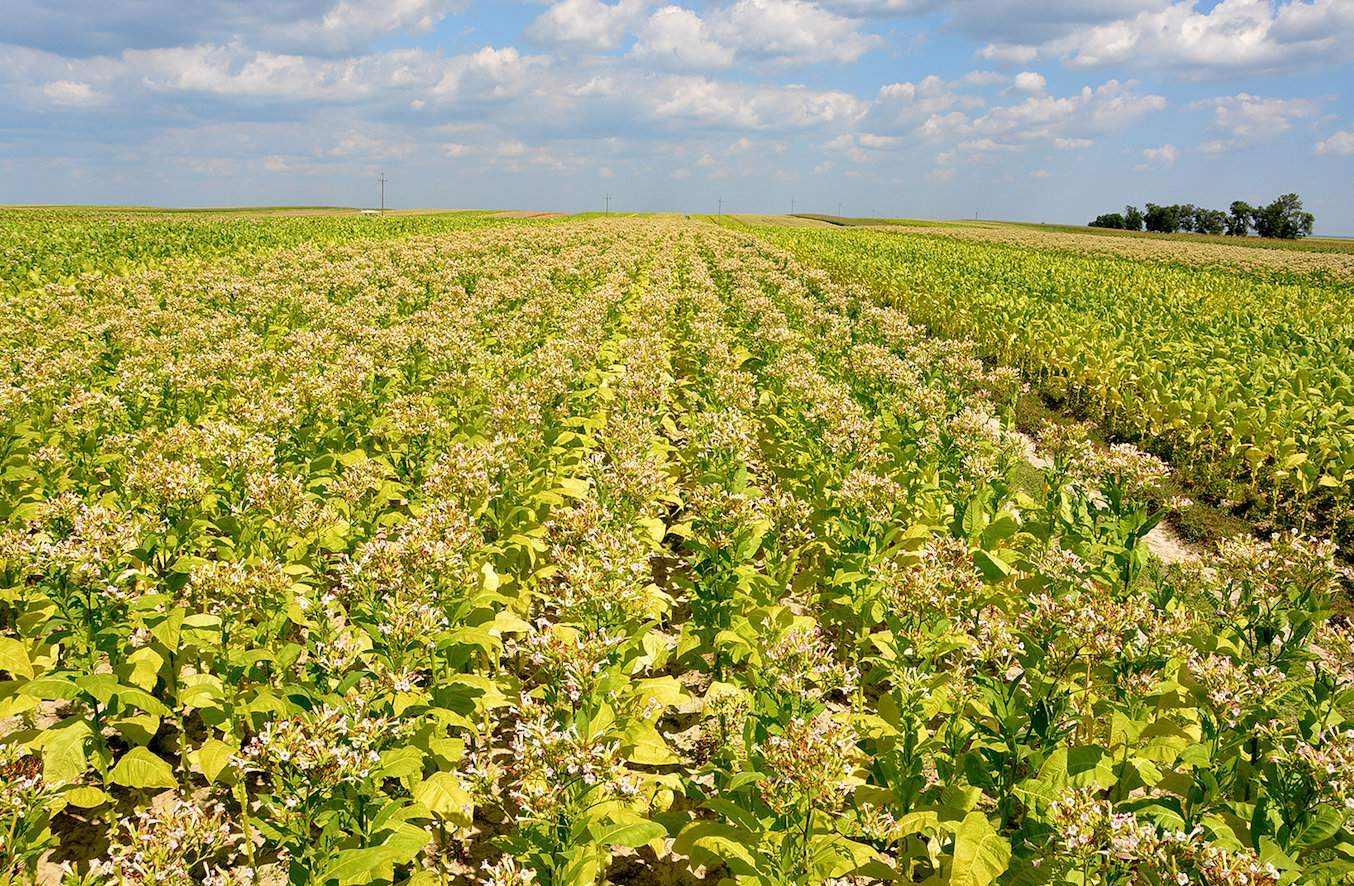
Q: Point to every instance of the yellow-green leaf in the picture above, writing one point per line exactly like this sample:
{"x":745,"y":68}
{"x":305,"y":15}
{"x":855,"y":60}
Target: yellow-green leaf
{"x":14,"y":658}
{"x":139,"y":768}
{"x":981,"y":855}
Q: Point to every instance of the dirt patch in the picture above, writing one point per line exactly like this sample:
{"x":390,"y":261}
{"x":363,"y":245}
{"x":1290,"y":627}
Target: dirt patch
{"x":525,"y":213}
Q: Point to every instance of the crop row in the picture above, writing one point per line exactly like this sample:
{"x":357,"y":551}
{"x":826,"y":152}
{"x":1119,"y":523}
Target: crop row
{"x":42,"y":245}
{"x":605,"y":551}
{"x":1242,"y":380}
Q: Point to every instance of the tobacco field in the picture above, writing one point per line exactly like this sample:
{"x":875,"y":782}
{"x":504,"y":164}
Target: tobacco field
{"x":1237,"y":370}
{"x":646,"y":551}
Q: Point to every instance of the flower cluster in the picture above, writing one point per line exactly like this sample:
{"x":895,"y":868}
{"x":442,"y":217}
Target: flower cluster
{"x":324,"y":747}
{"x":802,"y":663}
{"x":507,"y":871}
{"x":809,"y":764}
{"x":1234,"y":690}
{"x":567,"y":663}
{"x":176,"y":842}
{"x":553,"y":766}
{"x":941,"y":579}
{"x":1088,"y":826}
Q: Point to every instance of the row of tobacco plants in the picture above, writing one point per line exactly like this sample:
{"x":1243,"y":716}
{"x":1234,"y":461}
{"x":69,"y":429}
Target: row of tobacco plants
{"x":1240,"y":376}
{"x":622,"y":551}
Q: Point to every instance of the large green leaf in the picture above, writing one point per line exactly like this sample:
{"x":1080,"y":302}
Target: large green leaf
{"x":443,"y":795}
{"x":981,"y":855}
{"x":14,"y":658}
{"x":139,"y":768}
{"x":630,"y":834}
{"x":712,"y":841}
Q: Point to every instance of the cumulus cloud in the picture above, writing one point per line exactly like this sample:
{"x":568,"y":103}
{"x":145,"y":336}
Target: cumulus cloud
{"x":702,"y":101}
{"x":1033,"y":22}
{"x":1112,"y":105}
{"x":1248,"y":117}
{"x":881,"y":7}
{"x":677,"y":37}
{"x":586,"y":24}
{"x":1233,"y":35}
{"x":354,"y":23}
{"x":1030,"y":82}
{"x":234,"y":72}
{"x":983,"y":78}
{"x":1341,"y":144}
{"x":792,"y":30}
{"x":80,"y":29}
{"x":778,"y":32}
{"x":1159,"y":157}
{"x":72,"y":94}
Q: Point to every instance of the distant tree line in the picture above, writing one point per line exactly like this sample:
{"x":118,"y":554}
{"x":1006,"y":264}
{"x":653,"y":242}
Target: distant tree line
{"x":1282,"y":218}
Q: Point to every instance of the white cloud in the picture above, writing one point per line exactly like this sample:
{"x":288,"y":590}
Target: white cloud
{"x":1249,"y":117}
{"x":686,"y":99}
{"x":368,"y":145}
{"x":983,"y":78}
{"x":1040,"y":173}
{"x":82,"y":29}
{"x":678,"y":38}
{"x":586,"y":24}
{"x":1233,"y":35}
{"x":72,"y":94}
{"x":778,"y":32}
{"x":353,"y":22}
{"x":1009,"y":53}
{"x":880,"y":7}
{"x":1163,"y":156}
{"x":1110,"y":106}
{"x":985,"y":145}
{"x":934,"y":111}
{"x":1341,"y":143}
{"x":926,"y":105}
{"x":1030,"y":82}
{"x":791,"y":30}
{"x":870,"y":140}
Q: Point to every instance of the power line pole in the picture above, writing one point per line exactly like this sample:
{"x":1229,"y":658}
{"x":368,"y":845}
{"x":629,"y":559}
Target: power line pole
{"x":383,"y":180}
{"x":792,"y":205}
{"x":721,"y":206}
{"x":839,"y":209}
{"x":608,"y":202}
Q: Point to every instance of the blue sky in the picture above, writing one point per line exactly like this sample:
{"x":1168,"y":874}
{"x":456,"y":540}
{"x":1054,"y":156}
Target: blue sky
{"x":1052,"y":110}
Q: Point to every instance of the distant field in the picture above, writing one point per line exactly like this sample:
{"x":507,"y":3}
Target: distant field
{"x":1306,"y":244}
{"x":50,"y":243}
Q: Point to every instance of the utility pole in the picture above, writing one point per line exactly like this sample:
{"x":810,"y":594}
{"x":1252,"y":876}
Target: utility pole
{"x":839,"y":209}
{"x":721,"y":206}
{"x":382,"y":180}
{"x":792,"y":205}
{"x":607,"y":197}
